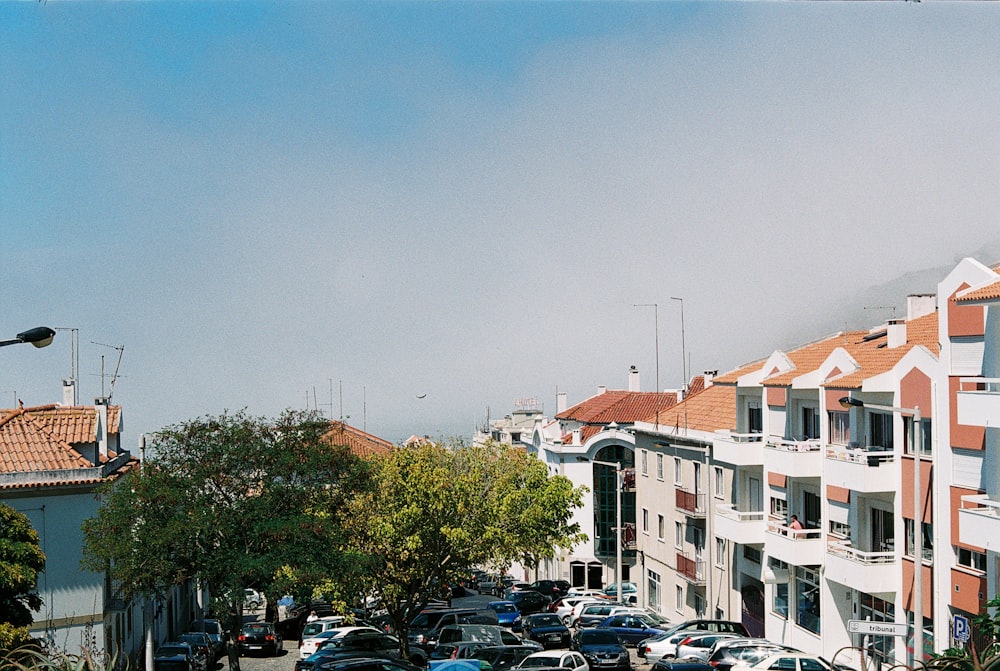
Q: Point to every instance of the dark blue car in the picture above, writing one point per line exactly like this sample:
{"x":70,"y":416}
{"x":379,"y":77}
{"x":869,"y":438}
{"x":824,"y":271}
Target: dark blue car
{"x":507,"y":614}
{"x":632,"y":628}
{"x":547,"y":629}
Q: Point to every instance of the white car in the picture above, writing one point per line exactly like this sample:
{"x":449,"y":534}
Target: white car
{"x":564,"y":659}
{"x":788,"y":661}
{"x":317,"y":633}
{"x":565,"y":608}
{"x":700,"y":645}
{"x":665,"y":645}
{"x":583,"y":591}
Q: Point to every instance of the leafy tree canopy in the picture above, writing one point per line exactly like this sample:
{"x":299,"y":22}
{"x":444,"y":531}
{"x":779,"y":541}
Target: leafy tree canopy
{"x":436,"y":510}
{"x":21,"y":560}
{"x":228,"y":500}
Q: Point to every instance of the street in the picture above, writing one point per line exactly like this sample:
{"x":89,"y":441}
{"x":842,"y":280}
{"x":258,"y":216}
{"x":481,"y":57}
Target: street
{"x":286,"y":661}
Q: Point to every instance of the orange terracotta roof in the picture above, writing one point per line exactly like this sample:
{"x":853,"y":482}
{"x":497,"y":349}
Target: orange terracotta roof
{"x":621,"y":407}
{"x":809,"y":357}
{"x":710,"y":410}
{"x":42,"y":438}
{"x":697,"y":385}
{"x":129,"y":465}
{"x":361,"y":444}
{"x":988,"y":292}
{"x":874,"y":358}
{"x":586,"y":433}
{"x":733,"y":376}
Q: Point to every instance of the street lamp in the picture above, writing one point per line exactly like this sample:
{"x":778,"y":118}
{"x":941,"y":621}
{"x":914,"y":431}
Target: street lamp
{"x":918,"y":516}
{"x":618,"y":512}
{"x":40,"y":336}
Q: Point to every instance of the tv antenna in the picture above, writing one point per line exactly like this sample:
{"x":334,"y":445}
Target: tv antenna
{"x":114,"y":377}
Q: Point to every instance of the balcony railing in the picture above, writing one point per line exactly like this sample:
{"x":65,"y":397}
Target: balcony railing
{"x":734,"y":437}
{"x":979,"y":522}
{"x":729,"y":510}
{"x":989,"y":385}
{"x":787,"y":445}
{"x":781,"y":529}
{"x":843,"y":548}
{"x":691,"y":504}
{"x":692,"y":570}
{"x":872,"y":455}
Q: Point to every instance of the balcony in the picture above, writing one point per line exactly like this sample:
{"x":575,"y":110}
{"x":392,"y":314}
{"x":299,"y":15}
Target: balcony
{"x":864,"y":571}
{"x":746,"y":528}
{"x":692,"y":504}
{"x":738,"y":449}
{"x":692,"y":570}
{"x":979,"y":522}
{"x":979,"y":401}
{"x":794,"y":458}
{"x":801,"y":547}
{"x":863,"y":469}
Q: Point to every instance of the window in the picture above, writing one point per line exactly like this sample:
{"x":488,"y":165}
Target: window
{"x":779,"y":604}
{"x":755,"y":418}
{"x":659,"y":467}
{"x":659,"y":527}
{"x":880,"y":430}
{"x":971,"y":559}
{"x":840,"y":428}
{"x":880,"y":648}
{"x":927,"y":538}
{"x":679,"y":535}
{"x":653,"y":590}
{"x":925,"y":436}
{"x":677,"y":471}
{"x":779,"y":507}
{"x":811,"y":510}
{"x":679,"y":598}
{"x":720,"y":483}
{"x":645,"y":521}
{"x":810,"y":423}
{"x":643,"y":461}
{"x":840,"y":529}
{"x":807,"y":613}
{"x":720,"y":552}
{"x":699,"y":605}
{"x":750,"y":553}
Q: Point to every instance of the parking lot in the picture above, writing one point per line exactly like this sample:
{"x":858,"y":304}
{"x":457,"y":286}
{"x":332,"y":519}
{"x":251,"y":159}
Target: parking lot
{"x":286,"y":661}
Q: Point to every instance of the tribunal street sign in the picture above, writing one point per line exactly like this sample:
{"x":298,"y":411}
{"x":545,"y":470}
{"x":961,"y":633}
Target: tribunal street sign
{"x":877,"y":628}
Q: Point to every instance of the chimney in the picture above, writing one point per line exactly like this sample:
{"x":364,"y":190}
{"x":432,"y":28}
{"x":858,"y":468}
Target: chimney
{"x":895,"y":331}
{"x":69,"y":392}
{"x":709,"y":375}
{"x":918,"y":305}
{"x":561,"y":402}
{"x":576,"y":436}
{"x":633,"y":379}
{"x":101,"y":404}
{"x":601,"y":389}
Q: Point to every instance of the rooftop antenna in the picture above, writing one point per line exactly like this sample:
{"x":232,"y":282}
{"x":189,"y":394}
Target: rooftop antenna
{"x":656,"y":333}
{"x":74,"y":360}
{"x":114,"y":377}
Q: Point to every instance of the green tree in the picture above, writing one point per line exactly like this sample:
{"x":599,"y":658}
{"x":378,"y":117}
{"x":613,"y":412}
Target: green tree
{"x":228,"y":500}
{"x":436,"y":510}
{"x":21,"y":560}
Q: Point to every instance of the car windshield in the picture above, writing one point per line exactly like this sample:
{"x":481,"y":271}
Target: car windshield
{"x":442,"y":652}
{"x":426,"y":620}
{"x":172,"y":651}
{"x":600,"y":636}
{"x":504,"y":608}
{"x":256,"y":629}
{"x":545,"y":621}
{"x":312,"y":628}
{"x":530,"y":662}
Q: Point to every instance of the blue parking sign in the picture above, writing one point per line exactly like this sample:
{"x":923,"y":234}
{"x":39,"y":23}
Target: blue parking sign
{"x":960,"y":628}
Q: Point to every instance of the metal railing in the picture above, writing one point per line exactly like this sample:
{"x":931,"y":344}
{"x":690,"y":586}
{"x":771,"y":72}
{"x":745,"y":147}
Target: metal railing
{"x":843,"y":548}
{"x":987,"y":385}
{"x":692,"y":570}
{"x":729,"y":510}
{"x":726,"y":434}
{"x":981,"y":504}
{"x":788,"y":445}
{"x":872,"y":455}
{"x":781,"y":529}
{"x":691,"y":503}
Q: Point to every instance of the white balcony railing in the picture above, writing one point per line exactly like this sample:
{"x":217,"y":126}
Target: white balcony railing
{"x":860,"y":570}
{"x":978,"y":401}
{"x":787,"y":445}
{"x":802,"y":547}
{"x":979,"y":522}
{"x":872,"y":455}
{"x":775,"y":527}
{"x":728,"y":510}
{"x":744,"y":527}
{"x":738,"y":449}
{"x":794,"y":458}
{"x":843,"y":548}
{"x":863,"y":469}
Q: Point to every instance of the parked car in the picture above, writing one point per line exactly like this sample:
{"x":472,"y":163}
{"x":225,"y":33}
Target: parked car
{"x":701,"y":645}
{"x":337,"y":637}
{"x":259,"y":637}
{"x":602,"y":648}
{"x":673,"y":664}
{"x":492,"y":634}
{"x":632,"y":628}
{"x":174,"y":656}
{"x":592,"y":614}
{"x":507,"y":614}
{"x":788,"y":660}
{"x":629,"y":591}
{"x":425,"y":628}
{"x":215,"y":632}
{"x":502,"y":657}
{"x":547,"y":587}
{"x":567,"y":660}
{"x":664,"y":646}
{"x":252,"y":599}
{"x":366,"y":664}
{"x":490,"y":584}
{"x":547,"y":629}
{"x":712,"y":625}
{"x":528,"y":602}
{"x":564,"y":606}
{"x":586,"y":591}
{"x":202,"y":647}
{"x":746,"y":651}
{"x":451,"y":651}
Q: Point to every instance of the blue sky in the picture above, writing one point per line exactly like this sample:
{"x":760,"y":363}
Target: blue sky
{"x":262,"y":201}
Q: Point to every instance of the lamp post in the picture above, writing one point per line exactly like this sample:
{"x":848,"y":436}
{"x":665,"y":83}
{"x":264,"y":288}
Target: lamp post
{"x":40,"y":336}
{"x":918,"y":517}
{"x":618,"y":512}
